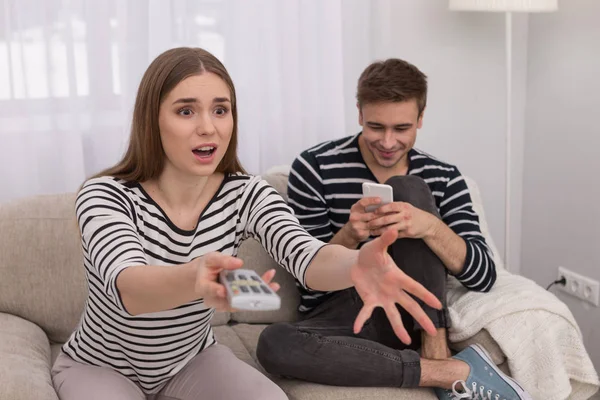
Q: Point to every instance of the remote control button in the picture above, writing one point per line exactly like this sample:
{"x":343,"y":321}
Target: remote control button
{"x":244,"y":289}
{"x":230,"y":277}
{"x":256,"y":278}
{"x":243,"y":277}
{"x":254,"y":289}
{"x":265,"y":289}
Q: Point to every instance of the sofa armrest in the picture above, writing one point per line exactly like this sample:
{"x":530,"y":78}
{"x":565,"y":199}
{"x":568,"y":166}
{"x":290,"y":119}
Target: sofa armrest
{"x":24,"y":361}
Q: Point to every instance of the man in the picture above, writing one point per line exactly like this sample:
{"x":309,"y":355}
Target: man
{"x":438,"y":233}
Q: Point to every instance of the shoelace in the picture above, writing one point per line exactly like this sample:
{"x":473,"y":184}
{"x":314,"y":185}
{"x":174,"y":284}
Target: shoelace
{"x":473,"y":393}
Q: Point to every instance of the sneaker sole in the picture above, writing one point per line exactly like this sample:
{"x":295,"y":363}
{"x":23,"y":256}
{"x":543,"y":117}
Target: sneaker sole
{"x":511,"y":382}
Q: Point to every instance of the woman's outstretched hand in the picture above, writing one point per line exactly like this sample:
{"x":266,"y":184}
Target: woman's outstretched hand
{"x":380,"y":283}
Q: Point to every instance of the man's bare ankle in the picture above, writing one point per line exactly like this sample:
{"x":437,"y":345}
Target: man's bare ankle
{"x":435,"y":347}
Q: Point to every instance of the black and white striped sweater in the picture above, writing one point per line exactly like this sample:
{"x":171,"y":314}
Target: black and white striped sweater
{"x":121,"y":226}
{"x":326,"y":180}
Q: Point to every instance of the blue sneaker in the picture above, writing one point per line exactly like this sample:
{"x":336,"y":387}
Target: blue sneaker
{"x":485,"y":381}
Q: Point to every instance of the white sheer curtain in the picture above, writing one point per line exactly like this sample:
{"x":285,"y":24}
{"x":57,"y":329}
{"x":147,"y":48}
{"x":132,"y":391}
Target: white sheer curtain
{"x":69,"y":70}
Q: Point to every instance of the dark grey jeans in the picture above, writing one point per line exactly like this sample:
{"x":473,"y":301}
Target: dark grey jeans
{"x":322,"y":347}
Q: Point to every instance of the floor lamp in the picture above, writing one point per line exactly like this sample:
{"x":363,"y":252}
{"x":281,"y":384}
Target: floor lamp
{"x":508,"y":7}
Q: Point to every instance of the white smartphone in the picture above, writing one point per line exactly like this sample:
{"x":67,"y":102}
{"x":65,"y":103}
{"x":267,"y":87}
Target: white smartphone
{"x":384,"y":192}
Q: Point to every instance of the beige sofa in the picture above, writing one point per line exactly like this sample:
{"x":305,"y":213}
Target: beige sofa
{"x":43,"y":290}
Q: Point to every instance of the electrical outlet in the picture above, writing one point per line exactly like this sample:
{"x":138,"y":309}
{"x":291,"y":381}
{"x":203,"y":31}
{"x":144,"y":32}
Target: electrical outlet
{"x":580,"y":286}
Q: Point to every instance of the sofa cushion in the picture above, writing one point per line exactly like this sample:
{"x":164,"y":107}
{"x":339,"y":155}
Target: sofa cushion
{"x":225,"y":335}
{"x":220,"y":318}
{"x":478,"y":208}
{"x":55,"y":349}
{"x":299,"y":390}
{"x":248,"y":334}
{"x":25,"y":356}
{"x":278,"y":178}
{"x":41,"y":264}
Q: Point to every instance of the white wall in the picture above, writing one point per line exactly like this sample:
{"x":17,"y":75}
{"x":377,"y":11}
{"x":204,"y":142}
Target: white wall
{"x":561,"y":216}
{"x":463,"y":54}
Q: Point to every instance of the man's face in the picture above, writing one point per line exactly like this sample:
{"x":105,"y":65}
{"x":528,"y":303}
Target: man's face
{"x":389,"y":130}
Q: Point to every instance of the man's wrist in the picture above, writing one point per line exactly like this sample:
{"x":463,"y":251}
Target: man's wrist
{"x":434,"y":227}
{"x":347,"y":238}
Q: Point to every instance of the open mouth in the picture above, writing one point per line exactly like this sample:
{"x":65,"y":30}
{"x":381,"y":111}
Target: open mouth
{"x":204,"y":151}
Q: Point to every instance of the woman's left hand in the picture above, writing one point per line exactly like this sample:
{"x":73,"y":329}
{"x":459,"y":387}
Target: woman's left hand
{"x":380,"y":283}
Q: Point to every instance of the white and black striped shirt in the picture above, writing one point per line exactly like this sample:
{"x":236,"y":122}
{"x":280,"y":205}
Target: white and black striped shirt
{"x":121,"y":226}
{"x":326,"y":180}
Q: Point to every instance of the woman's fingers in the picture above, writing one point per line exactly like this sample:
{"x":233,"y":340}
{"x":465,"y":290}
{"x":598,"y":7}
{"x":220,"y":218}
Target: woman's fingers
{"x":396,"y":321}
{"x":381,"y":244}
{"x":274,"y":286}
{"x":217,"y":260}
{"x":211,"y":289}
{"x":414,"y":309}
{"x":268,"y":276}
{"x":415,"y":288}
{"x":363,"y":316}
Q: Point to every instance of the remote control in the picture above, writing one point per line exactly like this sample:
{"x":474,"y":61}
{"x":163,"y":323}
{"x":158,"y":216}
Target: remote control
{"x":247,"y":291}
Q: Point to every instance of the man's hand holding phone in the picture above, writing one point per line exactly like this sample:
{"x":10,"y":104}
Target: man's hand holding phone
{"x":381,"y":213}
{"x":410,"y":221}
{"x":357,"y":227}
{"x":362,"y":212}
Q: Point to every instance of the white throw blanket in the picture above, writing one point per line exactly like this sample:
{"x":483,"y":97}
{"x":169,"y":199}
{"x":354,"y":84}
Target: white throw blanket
{"x":536,"y":332}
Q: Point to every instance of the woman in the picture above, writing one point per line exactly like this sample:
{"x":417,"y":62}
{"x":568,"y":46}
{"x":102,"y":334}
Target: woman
{"x":156,"y":230}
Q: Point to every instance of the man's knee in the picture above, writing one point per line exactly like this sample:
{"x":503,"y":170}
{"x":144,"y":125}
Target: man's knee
{"x":414,"y":190}
{"x":273,"y":345}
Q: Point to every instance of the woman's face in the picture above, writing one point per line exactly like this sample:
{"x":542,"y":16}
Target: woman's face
{"x":196,"y":124}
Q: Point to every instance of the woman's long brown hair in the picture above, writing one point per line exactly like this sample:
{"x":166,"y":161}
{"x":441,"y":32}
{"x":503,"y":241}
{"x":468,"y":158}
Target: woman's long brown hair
{"x":145,"y":157}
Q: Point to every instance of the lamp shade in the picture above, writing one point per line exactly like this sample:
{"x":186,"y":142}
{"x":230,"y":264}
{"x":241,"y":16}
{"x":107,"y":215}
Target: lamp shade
{"x":504,"y":5}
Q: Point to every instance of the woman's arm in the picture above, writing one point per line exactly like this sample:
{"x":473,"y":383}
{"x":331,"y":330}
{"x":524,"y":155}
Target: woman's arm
{"x":330,"y":269}
{"x":150,"y":288}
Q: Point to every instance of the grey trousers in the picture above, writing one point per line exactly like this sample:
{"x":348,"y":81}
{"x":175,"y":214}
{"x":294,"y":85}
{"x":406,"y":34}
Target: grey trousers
{"x":214,"y":374}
